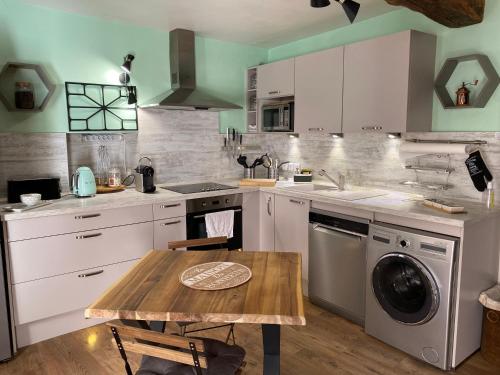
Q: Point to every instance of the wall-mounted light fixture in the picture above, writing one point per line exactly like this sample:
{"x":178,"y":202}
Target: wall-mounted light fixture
{"x":320,"y":3}
{"x":125,"y":79}
{"x":127,"y":68}
{"x":294,"y":135}
{"x":394,"y":135}
{"x":132,"y":94}
{"x":351,"y":7}
{"x":337,"y":135}
{"x":127,"y":63}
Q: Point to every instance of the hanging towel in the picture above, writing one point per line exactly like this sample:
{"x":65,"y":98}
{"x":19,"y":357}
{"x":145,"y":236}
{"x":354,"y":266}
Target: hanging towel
{"x":220,"y":224}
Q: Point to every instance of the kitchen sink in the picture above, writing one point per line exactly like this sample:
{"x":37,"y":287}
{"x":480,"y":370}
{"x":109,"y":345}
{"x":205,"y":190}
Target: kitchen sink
{"x":312,"y":187}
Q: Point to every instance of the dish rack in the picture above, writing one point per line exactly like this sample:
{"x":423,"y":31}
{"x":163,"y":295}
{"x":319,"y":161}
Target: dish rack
{"x":425,"y":170}
{"x":444,"y":170}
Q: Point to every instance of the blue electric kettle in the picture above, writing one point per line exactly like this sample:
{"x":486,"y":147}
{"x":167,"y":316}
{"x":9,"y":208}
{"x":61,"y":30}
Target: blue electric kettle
{"x":83,"y":182}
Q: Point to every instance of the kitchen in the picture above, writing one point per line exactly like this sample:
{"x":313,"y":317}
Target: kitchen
{"x":388,"y":139}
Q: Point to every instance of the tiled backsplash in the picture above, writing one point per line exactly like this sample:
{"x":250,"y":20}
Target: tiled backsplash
{"x":185,"y":146}
{"x":29,"y":155}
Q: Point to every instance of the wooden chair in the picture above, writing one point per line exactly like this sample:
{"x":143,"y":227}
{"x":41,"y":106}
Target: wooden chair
{"x":170,"y":354}
{"x":222,"y":242}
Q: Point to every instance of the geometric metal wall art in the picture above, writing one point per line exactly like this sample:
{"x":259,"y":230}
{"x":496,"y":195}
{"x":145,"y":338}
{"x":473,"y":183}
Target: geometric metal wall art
{"x":94,"y":107}
{"x":482,"y":98}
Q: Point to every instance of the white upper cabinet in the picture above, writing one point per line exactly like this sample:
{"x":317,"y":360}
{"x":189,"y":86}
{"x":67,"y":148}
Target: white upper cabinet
{"x":318,"y":91}
{"x":276,"y":79}
{"x":388,"y":83}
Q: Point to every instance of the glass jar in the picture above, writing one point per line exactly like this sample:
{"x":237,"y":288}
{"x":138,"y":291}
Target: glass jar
{"x":114,"y":177}
{"x":24,"y":95}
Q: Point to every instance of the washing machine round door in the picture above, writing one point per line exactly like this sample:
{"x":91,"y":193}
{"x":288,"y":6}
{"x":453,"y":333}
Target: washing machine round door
{"x":405,"y":289}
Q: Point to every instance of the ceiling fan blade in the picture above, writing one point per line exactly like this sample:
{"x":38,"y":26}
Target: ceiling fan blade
{"x":351,"y":9}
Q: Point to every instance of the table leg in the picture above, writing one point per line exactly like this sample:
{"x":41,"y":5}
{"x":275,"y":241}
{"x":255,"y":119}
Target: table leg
{"x":271,"y":340}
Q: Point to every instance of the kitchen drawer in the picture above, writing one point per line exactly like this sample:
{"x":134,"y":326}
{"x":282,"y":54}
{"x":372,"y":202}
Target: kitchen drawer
{"x":169,"y":230}
{"x":44,"y":298}
{"x":169,"y":210}
{"x":56,"y":255}
{"x":89,"y":220}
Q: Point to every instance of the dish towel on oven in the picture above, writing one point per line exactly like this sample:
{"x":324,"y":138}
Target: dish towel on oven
{"x":220,"y":224}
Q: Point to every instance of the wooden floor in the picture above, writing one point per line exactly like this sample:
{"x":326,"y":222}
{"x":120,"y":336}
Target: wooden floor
{"x":327,"y":345}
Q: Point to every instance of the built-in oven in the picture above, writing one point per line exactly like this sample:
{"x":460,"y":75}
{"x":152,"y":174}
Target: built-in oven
{"x":195,"y":218}
{"x":278,"y":117}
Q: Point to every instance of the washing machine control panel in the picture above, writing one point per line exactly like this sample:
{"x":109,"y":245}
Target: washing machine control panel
{"x":404,"y":243}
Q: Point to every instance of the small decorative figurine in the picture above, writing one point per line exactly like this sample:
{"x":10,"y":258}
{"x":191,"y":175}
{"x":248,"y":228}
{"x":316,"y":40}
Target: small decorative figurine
{"x":463,"y":93}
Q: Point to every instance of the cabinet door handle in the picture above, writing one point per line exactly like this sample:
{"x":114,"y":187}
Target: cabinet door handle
{"x":170,"y":205}
{"x":371,"y":128}
{"x":90,"y":216}
{"x":170,"y":223}
{"x":274,"y":92}
{"x":85,"y":236}
{"x":91,"y":273}
{"x":316,"y":129}
{"x":269,"y":206}
{"x":297,"y":202}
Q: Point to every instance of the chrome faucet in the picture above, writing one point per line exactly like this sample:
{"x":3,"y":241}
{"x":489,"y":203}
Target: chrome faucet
{"x":340,"y":184}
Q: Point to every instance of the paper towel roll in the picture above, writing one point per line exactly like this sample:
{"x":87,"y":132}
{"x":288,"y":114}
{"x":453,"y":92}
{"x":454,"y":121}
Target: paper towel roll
{"x":412,"y":149}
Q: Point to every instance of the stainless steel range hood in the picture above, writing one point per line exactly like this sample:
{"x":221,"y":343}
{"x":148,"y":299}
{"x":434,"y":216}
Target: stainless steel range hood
{"x":183,"y":94}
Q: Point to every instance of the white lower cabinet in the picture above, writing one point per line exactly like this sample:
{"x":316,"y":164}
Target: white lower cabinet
{"x":54,"y":306}
{"x":291,"y":229}
{"x":266,"y":221}
{"x":56,"y":255}
{"x":59,"y":265}
{"x":41,"y":299}
{"x":173,"y":229}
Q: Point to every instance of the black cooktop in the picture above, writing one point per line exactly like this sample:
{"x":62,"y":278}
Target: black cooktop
{"x":198,"y":188}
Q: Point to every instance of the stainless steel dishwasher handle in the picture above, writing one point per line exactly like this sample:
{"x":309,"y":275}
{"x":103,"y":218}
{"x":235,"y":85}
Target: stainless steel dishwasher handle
{"x":344,"y":231}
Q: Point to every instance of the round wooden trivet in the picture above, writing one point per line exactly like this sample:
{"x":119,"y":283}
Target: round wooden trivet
{"x":215,"y":276}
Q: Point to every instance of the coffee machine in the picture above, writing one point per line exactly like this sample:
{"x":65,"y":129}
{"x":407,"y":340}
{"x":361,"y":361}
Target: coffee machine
{"x":144,"y":176}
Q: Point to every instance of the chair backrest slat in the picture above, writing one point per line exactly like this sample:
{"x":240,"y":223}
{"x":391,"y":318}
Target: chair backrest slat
{"x":156,"y":337}
{"x":163,"y":353}
{"x":173,"y":245}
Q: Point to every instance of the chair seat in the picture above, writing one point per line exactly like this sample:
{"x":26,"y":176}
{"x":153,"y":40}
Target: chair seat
{"x":222,"y":359}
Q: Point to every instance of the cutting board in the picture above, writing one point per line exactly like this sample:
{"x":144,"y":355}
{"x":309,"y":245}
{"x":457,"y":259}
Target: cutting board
{"x":264,"y":182}
{"x":103,"y":189}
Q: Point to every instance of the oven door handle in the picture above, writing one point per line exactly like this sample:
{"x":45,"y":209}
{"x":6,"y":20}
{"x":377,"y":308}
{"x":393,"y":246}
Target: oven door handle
{"x":202,"y":216}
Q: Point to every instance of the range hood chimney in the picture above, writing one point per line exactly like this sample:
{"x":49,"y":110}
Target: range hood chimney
{"x":183,"y":94}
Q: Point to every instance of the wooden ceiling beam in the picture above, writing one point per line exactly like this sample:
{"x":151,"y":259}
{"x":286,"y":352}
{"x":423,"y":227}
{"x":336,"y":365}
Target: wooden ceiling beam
{"x":451,"y":13}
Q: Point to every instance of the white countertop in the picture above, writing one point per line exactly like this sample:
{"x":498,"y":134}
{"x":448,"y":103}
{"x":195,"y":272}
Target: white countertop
{"x":387,"y":202}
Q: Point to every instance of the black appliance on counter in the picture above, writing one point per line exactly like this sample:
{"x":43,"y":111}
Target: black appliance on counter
{"x":195,"y":218}
{"x":144,"y":177}
{"x":6,"y":346}
{"x":48,"y":187}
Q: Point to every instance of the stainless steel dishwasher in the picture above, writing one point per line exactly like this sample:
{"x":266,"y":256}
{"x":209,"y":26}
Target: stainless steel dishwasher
{"x":337,"y":263}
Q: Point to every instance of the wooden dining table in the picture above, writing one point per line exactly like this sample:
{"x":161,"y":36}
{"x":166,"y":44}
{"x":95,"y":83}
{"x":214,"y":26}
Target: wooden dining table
{"x":152,"y":291}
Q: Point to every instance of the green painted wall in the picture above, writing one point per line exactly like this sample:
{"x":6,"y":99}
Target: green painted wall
{"x":80,"y":48}
{"x":482,"y":38}
{"x":87,"y":49}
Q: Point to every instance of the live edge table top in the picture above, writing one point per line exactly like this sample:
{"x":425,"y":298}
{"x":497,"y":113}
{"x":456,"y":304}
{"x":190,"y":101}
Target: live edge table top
{"x":151,"y":290}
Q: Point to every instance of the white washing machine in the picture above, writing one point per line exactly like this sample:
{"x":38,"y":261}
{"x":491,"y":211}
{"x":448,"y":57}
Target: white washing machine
{"x":410,"y":291}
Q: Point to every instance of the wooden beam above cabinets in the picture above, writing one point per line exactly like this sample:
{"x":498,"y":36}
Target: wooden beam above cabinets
{"x":451,"y":13}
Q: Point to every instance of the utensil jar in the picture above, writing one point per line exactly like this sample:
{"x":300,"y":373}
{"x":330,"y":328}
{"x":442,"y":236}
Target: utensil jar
{"x":249,"y":173}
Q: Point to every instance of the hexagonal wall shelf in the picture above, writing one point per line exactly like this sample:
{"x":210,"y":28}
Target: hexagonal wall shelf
{"x":7,"y":76}
{"x":492,"y":81}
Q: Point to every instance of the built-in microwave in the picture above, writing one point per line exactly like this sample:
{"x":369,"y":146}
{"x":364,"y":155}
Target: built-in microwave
{"x":278,"y":117}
